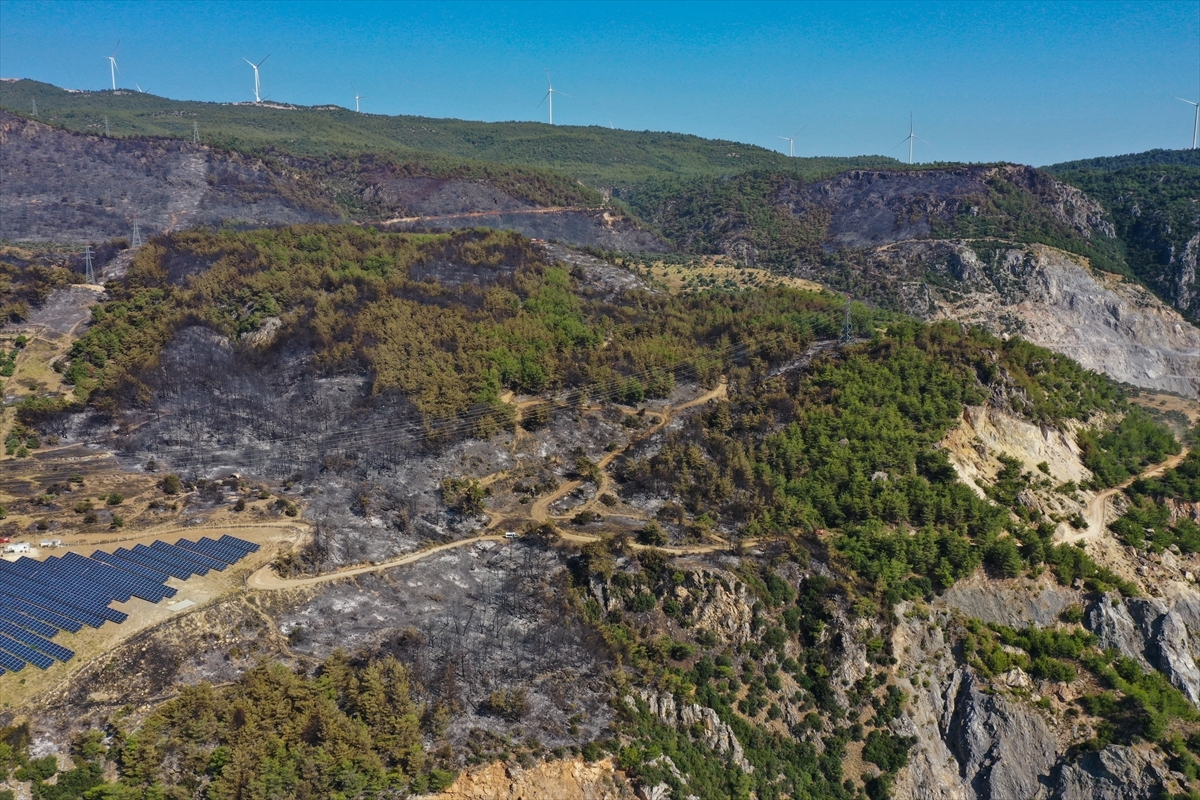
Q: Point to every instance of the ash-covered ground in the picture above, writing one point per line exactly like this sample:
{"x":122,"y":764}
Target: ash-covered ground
{"x":470,"y":622}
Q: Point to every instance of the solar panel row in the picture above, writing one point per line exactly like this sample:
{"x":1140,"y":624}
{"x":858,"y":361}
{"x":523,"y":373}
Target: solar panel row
{"x":40,"y":598}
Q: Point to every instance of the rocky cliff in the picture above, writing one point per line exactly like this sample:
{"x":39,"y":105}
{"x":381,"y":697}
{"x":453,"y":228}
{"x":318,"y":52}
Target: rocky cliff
{"x":1053,"y":298}
{"x":71,"y":187}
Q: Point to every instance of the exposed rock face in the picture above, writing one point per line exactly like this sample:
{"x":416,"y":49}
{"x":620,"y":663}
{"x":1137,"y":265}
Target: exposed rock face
{"x":1158,"y":634}
{"x":1052,"y":299}
{"x":1115,"y":773}
{"x":573,"y":779}
{"x":1016,"y":607}
{"x":1002,"y":749}
{"x":718,"y":736}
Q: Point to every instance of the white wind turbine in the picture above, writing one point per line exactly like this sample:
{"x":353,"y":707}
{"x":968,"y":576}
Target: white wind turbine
{"x":791,"y":140}
{"x":1196,"y":124}
{"x":550,"y":92}
{"x":112,"y":65}
{"x":911,"y":136}
{"x":255,"y":67}
{"x":357,"y":97}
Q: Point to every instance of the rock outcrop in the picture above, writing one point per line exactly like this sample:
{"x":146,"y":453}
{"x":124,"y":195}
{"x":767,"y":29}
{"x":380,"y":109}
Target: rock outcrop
{"x":1158,"y":634}
{"x":572,"y":779}
{"x":717,"y":735}
{"x":1003,"y":750}
{"x":1114,"y":773}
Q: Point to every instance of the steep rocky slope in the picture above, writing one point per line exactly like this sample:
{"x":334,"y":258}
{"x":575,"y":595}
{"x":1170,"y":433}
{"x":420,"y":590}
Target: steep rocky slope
{"x":1104,"y":322}
{"x":72,"y":188}
{"x":1009,"y":248}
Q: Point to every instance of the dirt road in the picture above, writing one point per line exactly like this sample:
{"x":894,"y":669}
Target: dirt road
{"x":1096,"y":512}
{"x":540,"y":510}
{"x":267,"y":579}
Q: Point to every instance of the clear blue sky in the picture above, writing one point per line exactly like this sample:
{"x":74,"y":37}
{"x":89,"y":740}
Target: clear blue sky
{"x":1027,"y":82}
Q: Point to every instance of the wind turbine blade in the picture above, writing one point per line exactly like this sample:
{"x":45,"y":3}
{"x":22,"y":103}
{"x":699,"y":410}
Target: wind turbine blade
{"x":263,"y":61}
{"x":248,"y":61}
{"x":902,"y":141}
{"x":919,"y":139}
{"x":539,"y":105}
{"x":118,"y":47}
{"x":785,"y":138}
{"x":1189,"y":102}
{"x":797,"y":133}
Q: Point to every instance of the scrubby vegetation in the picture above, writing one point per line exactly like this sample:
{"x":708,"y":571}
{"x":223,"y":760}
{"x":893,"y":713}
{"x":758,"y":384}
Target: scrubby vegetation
{"x":1125,"y":450}
{"x":1153,"y":209}
{"x":1132,"y":704}
{"x":351,"y":731}
{"x":371,"y":300}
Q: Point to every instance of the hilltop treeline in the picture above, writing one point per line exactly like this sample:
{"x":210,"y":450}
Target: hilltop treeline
{"x":447,"y":320}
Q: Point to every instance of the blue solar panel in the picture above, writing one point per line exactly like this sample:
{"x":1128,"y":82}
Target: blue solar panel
{"x":27,"y":654}
{"x":40,"y":598}
{"x":11,"y":662}
{"x":26,"y":621}
{"x":37,"y":642}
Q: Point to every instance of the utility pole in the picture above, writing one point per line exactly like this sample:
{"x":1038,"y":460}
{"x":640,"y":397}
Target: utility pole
{"x":137,"y":234}
{"x":195,"y":132}
{"x":87,"y":255}
{"x":847,"y":325}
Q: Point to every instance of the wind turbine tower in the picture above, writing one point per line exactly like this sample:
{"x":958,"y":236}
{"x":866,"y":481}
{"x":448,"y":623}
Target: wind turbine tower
{"x":255,"y":67}
{"x":910,"y":138}
{"x":791,"y":140}
{"x":357,"y":97}
{"x":112,"y":65}
{"x":1195,"y":125}
{"x":550,"y":92}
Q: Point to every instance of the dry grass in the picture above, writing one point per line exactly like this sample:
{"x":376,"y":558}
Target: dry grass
{"x":720,"y":273}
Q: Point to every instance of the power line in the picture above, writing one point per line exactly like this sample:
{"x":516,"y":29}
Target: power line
{"x":87,"y":257}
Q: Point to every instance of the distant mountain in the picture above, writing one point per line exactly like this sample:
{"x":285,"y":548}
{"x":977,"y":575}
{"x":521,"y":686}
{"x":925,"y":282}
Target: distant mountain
{"x":1150,"y":158}
{"x":599,"y":157}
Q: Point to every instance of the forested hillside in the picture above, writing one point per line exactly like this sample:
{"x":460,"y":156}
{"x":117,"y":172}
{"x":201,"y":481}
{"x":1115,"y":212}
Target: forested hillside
{"x":600,"y":157}
{"x":1155,"y":206}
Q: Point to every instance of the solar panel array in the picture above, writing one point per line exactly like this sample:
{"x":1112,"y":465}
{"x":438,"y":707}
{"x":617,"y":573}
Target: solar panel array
{"x":38,"y":599}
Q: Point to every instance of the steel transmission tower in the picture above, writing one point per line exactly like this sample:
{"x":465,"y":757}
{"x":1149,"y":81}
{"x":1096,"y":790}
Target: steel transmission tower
{"x":195,"y":132}
{"x":35,"y":107}
{"x":87,"y":256}
{"x":137,"y":234}
{"x":106,"y":126}
{"x":847,"y":325}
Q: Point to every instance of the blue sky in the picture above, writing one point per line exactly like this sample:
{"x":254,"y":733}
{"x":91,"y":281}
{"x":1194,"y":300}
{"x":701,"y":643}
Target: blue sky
{"x":1027,"y":82}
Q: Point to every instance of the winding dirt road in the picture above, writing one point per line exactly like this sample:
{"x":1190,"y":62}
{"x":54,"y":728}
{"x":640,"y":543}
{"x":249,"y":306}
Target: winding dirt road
{"x":267,"y":579}
{"x":1096,"y":512}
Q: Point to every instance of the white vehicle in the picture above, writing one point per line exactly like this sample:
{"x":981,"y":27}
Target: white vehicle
{"x":511,"y":535}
